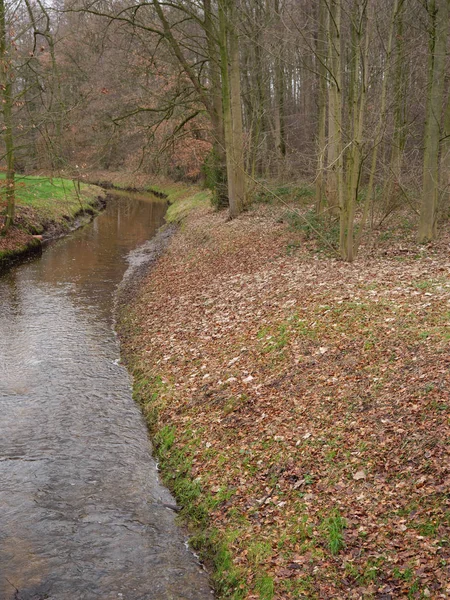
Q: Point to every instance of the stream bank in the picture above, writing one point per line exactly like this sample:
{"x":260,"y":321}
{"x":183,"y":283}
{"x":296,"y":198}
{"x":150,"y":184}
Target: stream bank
{"x":46,"y":209}
{"x":279,"y":384}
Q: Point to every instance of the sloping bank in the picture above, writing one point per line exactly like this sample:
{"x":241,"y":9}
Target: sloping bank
{"x":299,"y":406}
{"x":47,"y":208}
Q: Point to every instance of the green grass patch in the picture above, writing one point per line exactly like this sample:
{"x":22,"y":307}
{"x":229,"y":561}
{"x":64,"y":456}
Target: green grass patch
{"x":53,"y":198}
{"x":42,"y":200}
{"x":174,"y":451}
{"x":277,"y":337}
{"x":183,"y":206}
{"x":182,"y":199}
{"x":43,"y":203}
{"x":333,"y":528}
{"x":212,"y":547}
{"x":266,"y":587}
{"x":258,"y":552}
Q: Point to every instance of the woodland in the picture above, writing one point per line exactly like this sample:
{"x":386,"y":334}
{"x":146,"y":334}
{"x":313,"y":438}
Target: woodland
{"x":290,"y":348}
{"x":348,"y":96}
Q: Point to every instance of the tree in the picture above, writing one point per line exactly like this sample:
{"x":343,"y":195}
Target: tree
{"x":321,"y":56}
{"x":438,"y":14}
{"x":6,"y":83}
{"x":231,"y":106}
{"x":280,"y":88}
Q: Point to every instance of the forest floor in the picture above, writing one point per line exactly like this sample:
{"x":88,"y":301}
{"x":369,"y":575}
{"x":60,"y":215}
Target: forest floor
{"x":300,"y":406}
{"x":44,"y":207}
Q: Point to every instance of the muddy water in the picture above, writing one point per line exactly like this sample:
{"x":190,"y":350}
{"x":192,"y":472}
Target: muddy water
{"x":82,"y":513}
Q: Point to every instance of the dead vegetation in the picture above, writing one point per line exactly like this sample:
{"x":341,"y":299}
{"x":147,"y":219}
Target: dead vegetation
{"x":300,"y":406}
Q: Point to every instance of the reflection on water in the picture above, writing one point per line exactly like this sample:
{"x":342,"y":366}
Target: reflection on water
{"x":82,"y":511}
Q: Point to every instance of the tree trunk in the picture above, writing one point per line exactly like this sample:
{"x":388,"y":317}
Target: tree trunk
{"x":280,"y":133}
{"x":358,"y":89}
{"x":400,"y":104}
{"x":445,"y":155}
{"x":321,"y":51}
{"x":381,"y":121}
{"x":7,"y":100}
{"x":232,"y":111}
{"x":219,"y":162}
{"x":438,"y":11}
{"x":335,"y":161}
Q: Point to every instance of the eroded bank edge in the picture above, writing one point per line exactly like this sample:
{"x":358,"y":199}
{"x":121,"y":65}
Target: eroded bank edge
{"x":52,"y":231}
{"x":193,"y":504}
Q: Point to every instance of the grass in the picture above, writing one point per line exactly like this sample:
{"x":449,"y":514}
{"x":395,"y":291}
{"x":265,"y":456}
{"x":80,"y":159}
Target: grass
{"x":182,"y":199}
{"x":265,"y":586}
{"x":333,"y":527}
{"x":53,"y":199}
{"x":174,"y":456}
{"x":41,"y":203}
{"x":280,"y":336}
{"x":182,"y":206}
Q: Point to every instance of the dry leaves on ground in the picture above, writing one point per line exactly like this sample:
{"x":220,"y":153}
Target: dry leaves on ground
{"x":312,"y":397}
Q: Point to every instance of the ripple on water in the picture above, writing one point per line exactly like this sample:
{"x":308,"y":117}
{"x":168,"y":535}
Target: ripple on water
{"x":83,"y":513}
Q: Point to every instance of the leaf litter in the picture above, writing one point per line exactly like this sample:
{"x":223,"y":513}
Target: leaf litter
{"x":312,"y":398}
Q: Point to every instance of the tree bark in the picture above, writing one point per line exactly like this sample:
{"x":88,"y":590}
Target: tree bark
{"x":280,"y":133}
{"x":335,"y":160}
{"x":400,"y":109}
{"x":438,"y":11}
{"x":321,"y":50}
{"x":7,"y":100}
{"x":232,"y":110}
{"x":219,"y":158}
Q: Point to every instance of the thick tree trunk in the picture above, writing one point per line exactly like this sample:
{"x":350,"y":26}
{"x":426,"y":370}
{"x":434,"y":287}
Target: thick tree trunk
{"x":219,"y":162}
{"x":445,"y":156}
{"x":279,"y":81}
{"x":400,"y":108}
{"x":438,"y":11}
{"x":232,"y":110}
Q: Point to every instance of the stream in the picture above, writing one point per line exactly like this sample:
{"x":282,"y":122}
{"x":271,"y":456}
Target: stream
{"x":82,"y":511}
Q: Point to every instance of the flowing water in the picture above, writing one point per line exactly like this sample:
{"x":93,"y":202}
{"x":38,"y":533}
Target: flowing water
{"x":82,"y":513}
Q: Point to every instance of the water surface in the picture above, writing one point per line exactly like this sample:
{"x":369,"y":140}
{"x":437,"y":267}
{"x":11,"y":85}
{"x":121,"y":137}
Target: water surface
{"x":82,"y":513}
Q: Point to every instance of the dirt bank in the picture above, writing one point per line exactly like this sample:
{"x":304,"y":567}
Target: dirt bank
{"x":300,"y":406}
{"x":35,"y":226}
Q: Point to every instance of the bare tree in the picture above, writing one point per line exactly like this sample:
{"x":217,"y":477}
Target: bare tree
{"x":438,"y":13}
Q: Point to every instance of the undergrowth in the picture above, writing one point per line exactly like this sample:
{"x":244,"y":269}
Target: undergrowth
{"x":289,"y":193}
{"x":312,"y":226}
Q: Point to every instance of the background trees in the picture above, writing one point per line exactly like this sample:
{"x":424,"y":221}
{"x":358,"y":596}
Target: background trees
{"x":352,"y":95}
